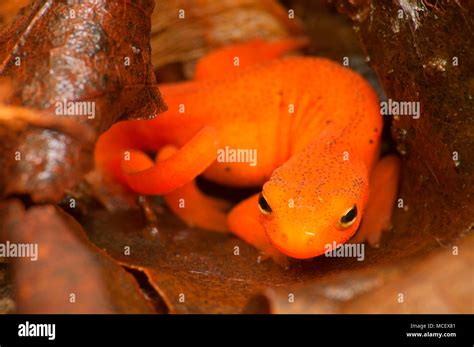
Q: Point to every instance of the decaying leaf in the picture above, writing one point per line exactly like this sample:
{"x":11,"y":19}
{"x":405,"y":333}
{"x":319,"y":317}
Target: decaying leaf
{"x":325,"y":28}
{"x":440,"y":283}
{"x":69,"y":275}
{"x":86,"y":61}
{"x":422,"y":53}
{"x":433,"y":284}
{"x":197,"y":271}
{"x":193,"y":270}
{"x":7,"y":302}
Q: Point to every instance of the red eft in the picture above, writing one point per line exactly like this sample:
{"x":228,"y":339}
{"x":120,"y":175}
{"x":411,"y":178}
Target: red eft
{"x":311,"y":127}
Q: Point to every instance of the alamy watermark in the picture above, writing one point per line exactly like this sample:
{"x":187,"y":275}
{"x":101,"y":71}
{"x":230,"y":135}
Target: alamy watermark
{"x":28,"y":329}
{"x":19,"y":250}
{"x":237,"y":155}
{"x":400,"y":108}
{"x":75,"y":108}
{"x":347,"y":250}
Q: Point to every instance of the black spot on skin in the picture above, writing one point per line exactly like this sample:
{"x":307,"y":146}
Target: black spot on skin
{"x":227,"y":169}
{"x":371,"y":141}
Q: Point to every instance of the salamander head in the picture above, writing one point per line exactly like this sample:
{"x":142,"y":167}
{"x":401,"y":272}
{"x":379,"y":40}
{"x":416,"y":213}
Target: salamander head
{"x":302,"y":214}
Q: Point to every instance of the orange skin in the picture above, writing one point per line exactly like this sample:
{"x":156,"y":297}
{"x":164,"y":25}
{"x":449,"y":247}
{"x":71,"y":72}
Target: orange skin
{"x":316,"y":129}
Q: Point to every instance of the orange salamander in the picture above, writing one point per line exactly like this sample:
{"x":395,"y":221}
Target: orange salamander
{"x":314,"y":130}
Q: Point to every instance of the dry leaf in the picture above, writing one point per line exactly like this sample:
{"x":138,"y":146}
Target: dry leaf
{"x":70,"y":275}
{"x":422,"y":57}
{"x":95,"y":57}
{"x":378,"y":289}
{"x":197,"y":271}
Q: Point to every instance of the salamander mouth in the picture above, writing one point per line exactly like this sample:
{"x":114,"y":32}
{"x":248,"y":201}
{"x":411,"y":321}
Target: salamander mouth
{"x":280,"y":241}
{"x":309,"y":246}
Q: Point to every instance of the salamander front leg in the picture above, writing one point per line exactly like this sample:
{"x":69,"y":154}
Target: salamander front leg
{"x":244,"y":221}
{"x":193,"y":206}
{"x":382,"y":194}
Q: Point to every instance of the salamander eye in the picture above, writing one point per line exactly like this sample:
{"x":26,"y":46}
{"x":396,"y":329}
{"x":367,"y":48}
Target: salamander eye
{"x":349,"y":217}
{"x":263,"y":205}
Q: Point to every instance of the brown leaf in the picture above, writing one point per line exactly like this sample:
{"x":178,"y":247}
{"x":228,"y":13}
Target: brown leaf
{"x":433,"y":284}
{"x":441,"y":283}
{"x":67,"y":264}
{"x":74,"y":51}
{"x":7,"y":302}
{"x":202,"y":266}
{"x":331,"y":35}
{"x":199,"y":264}
{"x":422,"y":57}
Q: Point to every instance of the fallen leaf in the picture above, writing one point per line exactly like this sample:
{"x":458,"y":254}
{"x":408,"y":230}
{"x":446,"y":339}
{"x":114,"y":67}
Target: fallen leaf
{"x":419,"y":54}
{"x":7,"y":301}
{"x":378,"y":289}
{"x":197,"y":271}
{"x":58,"y":53}
{"x":70,"y":275}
